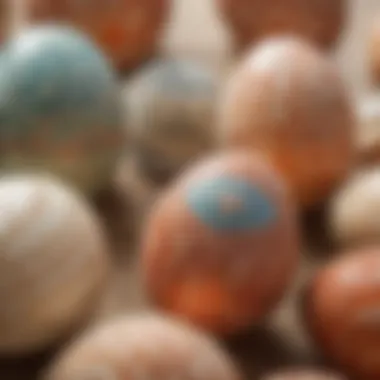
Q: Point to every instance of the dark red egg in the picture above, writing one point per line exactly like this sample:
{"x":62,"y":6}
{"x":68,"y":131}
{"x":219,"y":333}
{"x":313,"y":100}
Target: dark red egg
{"x":288,"y":101}
{"x":343,"y":312}
{"x":128,"y":31}
{"x":318,"y":21}
{"x":221,"y":245}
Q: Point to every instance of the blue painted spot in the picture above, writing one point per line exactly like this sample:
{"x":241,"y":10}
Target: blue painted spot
{"x":231,"y":204}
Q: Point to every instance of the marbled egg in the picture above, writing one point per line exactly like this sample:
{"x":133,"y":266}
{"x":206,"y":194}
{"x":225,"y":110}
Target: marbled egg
{"x":170,"y":108}
{"x":59,"y":107}
{"x":305,"y":374}
{"x":354,"y":214}
{"x":128,"y":31}
{"x":319,"y":21}
{"x":143,"y":347}
{"x":288,"y":101}
{"x":221,"y":244}
{"x":342,"y":310}
{"x":53,"y":262}
{"x":368,"y":131}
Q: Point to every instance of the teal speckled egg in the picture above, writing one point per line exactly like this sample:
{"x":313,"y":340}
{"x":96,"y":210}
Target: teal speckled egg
{"x":59,"y":107}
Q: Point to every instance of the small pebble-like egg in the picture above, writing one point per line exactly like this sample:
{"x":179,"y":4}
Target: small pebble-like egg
{"x":305,"y":374}
{"x":368,"y":131}
{"x":53,"y":262}
{"x":288,"y":101}
{"x":221,"y":245}
{"x":128,"y":31}
{"x":342,"y":309}
{"x":143,"y":347}
{"x":374,"y":52}
{"x":319,"y":21}
{"x":354,"y":214}
{"x":59,"y":107}
{"x":170,"y":108}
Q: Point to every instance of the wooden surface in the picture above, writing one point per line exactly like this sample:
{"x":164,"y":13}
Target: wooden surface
{"x":196,"y":32}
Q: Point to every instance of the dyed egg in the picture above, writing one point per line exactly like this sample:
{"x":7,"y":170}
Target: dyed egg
{"x":59,"y":108}
{"x":342,"y":310}
{"x":305,"y":374}
{"x":318,"y":21}
{"x":374,"y":52}
{"x":143,"y":347}
{"x":288,"y":101}
{"x":368,"y":131}
{"x":53,"y":262}
{"x":221,"y":245}
{"x":128,"y":31}
{"x":170,"y":111}
{"x":355,"y":210}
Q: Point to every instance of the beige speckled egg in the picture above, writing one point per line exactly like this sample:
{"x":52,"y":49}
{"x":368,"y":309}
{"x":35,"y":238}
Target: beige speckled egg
{"x":355,"y":209}
{"x":368,"y":131}
{"x":52,"y":262}
{"x":288,"y":101}
{"x":143,"y":347}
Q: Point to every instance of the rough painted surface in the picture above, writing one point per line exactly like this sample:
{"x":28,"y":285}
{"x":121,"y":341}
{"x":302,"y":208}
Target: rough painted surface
{"x":231,"y":204}
{"x":59,"y":108}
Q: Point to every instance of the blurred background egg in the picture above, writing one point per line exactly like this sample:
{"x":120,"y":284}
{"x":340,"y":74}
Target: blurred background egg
{"x":373,"y":59}
{"x":128,"y":31}
{"x":143,"y":347}
{"x":354,"y":214}
{"x":342,"y":311}
{"x":288,"y":101}
{"x":221,"y":244}
{"x":170,"y":112}
{"x":53,"y":262}
{"x":305,"y":374}
{"x":59,"y":108}
{"x":318,"y":21}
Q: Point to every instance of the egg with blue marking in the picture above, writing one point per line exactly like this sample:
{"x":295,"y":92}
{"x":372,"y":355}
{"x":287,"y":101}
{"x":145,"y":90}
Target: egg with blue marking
{"x":170,"y":109}
{"x":59,"y":107}
{"x":221,"y":244}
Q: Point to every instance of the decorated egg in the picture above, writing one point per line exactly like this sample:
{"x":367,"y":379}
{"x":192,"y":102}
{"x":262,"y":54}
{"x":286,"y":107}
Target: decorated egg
{"x":143,"y":347}
{"x":374,"y":52}
{"x":221,"y":244}
{"x":59,"y":108}
{"x":128,"y":31}
{"x":288,"y":101}
{"x":53,"y":262}
{"x":342,"y":311}
{"x":355,"y":210}
{"x":318,"y":21}
{"x":170,"y":113}
{"x":305,"y":374}
{"x":368,"y":131}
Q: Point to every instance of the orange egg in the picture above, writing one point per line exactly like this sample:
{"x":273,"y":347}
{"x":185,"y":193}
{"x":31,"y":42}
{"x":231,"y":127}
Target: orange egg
{"x":319,"y":21}
{"x":128,"y":30}
{"x":342,"y":310}
{"x":221,"y":245}
{"x":288,"y":101}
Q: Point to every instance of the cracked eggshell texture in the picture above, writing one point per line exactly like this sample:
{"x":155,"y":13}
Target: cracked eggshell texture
{"x":342,"y":312}
{"x":305,"y":374}
{"x":59,"y":107}
{"x":289,"y":102}
{"x":354,"y":214}
{"x":170,"y":111}
{"x":143,"y":347}
{"x":221,"y":244}
{"x":128,"y":31}
{"x":53,"y":262}
{"x":318,"y":21}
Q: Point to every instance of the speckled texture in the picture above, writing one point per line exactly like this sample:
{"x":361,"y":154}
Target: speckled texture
{"x":228,"y":280}
{"x":53,"y":262}
{"x":128,"y":31}
{"x":59,"y":107}
{"x":143,"y":347}
{"x":170,"y":112}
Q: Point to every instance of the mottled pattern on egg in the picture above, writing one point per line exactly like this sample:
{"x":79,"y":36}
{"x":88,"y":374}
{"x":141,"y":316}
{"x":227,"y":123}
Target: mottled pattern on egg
{"x":59,"y":107}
